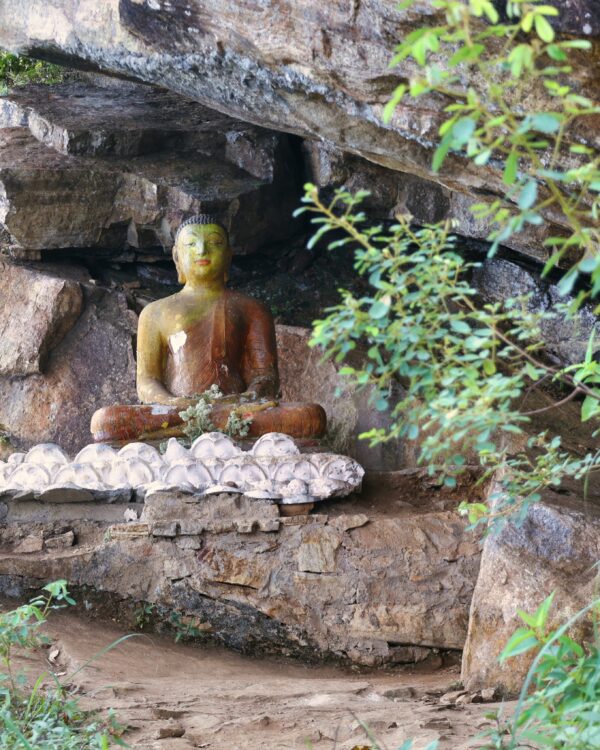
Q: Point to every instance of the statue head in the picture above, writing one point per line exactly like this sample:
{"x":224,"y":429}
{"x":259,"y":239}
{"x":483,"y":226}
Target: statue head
{"x":201,"y":251}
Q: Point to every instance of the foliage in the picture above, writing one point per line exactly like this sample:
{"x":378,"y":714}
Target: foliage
{"x":197,"y":417}
{"x":463,"y":367}
{"x":46,"y":716}
{"x":19,"y":71}
{"x":562,"y":709}
{"x":549,"y":169}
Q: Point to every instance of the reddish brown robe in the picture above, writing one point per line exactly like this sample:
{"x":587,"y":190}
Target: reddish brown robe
{"x":233,"y":347}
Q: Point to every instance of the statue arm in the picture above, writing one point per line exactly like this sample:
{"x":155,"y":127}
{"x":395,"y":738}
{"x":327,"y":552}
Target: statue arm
{"x":150,"y":388}
{"x":260,"y":360}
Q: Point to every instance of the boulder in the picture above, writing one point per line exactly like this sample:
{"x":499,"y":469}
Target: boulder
{"x":38,"y":310}
{"x":555,"y":549}
{"x":91,"y":366}
{"x":565,"y":338}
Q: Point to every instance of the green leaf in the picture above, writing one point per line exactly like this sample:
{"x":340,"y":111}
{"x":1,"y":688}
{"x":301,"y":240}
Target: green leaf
{"x":460,"y":326}
{"x":463,"y":129}
{"x":528,"y":195}
{"x":441,"y":152}
{"x":544,"y":122}
{"x":489,"y":366}
{"x":543,"y":29}
{"x":590,"y":407}
{"x":466,"y":53}
{"x":389,"y":108}
{"x":522,"y":640}
{"x":380,"y":307}
{"x":510,"y":168}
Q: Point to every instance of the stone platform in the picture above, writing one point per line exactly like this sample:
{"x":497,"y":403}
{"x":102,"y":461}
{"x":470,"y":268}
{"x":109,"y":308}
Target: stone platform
{"x":381,"y":578}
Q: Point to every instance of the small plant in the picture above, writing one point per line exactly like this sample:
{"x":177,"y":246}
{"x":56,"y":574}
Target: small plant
{"x":46,"y":716}
{"x":186,"y":627}
{"x":143,"y":614}
{"x":197,"y":417}
{"x":561,"y":711}
{"x":238,"y":425}
{"x":488,"y":69}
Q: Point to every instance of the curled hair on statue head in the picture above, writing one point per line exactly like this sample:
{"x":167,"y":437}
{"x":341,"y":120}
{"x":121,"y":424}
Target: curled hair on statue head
{"x":200,"y":220}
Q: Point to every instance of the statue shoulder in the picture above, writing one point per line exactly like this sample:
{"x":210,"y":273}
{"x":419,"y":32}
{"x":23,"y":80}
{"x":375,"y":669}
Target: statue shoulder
{"x":153,"y":310}
{"x":248,"y":305}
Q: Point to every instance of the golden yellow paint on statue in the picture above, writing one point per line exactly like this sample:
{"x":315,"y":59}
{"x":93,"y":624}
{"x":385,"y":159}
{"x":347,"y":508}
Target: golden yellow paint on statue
{"x":205,"y":335}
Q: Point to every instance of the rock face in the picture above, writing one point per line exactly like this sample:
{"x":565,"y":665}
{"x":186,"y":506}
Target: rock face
{"x":349,"y":413}
{"x":38,"y":310}
{"x":111,"y":168}
{"x":93,"y":363}
{"x":320,"y":72}
{"x":555,"y":549}
{"x":372,"y":581}
{"x":565,"y":339}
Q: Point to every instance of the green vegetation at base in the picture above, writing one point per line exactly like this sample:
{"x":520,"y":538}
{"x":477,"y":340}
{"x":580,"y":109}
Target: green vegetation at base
{"x":45,"y":714}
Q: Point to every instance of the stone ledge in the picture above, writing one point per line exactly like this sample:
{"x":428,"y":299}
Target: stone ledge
{"x":365,"y":581}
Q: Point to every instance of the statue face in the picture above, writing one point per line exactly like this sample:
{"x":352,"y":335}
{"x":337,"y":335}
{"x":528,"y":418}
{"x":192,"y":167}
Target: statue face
{"x":202,"y":253}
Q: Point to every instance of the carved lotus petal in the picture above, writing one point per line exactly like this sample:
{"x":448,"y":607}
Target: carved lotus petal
{"x":141,"y":452}
{"x":275,"y":444}
{"x":322,"y":487}
{"x":174,"y":476}
{"x":245,"y":475}
{"x":175,"y":452}
{"x":45,"y":454}
{"x":96,"y":453}
{"x":214,"y":466}
{"x":30,"y":477}
{"x":199,"y":476}
{"x":15,"y":458}
{"x":81,"y":475}
{"x":264,"y":485}
{"x":214,"y":445}
{"x":294,"y":468}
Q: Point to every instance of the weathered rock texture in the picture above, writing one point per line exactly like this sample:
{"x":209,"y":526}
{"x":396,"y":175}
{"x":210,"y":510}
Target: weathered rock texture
{"x":349,"y":412}
{"x":372,"y":581}
{"x":112,"y":168}
{"x":318,"y":71}
{"x":38,"y":310}
{"x":556,"y":549}
{"x":91,"y":366}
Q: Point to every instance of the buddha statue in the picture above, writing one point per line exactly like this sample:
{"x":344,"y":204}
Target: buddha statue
{"x":205,"y":335}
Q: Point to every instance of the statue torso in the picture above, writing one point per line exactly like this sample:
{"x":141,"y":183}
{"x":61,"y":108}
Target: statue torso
{"x":213,"y":345}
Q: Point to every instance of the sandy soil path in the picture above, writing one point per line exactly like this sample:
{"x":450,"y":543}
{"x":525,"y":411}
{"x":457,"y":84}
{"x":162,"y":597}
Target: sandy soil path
{"x":178,"y":697}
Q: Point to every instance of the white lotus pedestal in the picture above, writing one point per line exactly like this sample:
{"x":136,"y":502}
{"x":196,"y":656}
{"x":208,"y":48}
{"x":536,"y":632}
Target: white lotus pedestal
{"x":274,"y":471}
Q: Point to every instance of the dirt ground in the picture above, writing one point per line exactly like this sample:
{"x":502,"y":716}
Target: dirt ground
{"x":177,"y":697}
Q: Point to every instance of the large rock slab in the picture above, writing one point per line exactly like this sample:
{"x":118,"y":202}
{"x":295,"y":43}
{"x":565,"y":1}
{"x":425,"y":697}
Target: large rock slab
{"x":38,"y":310}
{"x":81,"y":118}
{"x":93,"y":365}
{"x":112,"y":168}
{"x":556,"y":549}
{"x":320,"y":71}
{"x":373,"y":580}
